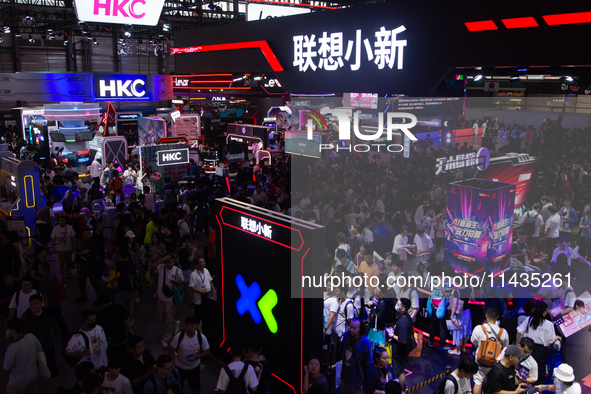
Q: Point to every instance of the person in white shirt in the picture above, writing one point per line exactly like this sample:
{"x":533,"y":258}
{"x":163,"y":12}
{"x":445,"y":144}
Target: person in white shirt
{"x":421,"y":210}
{"x":552,"y":230}
{"x":95,"y":171}
{"x":401,"y":244}
{"x":114,"y":382}
{"x":533,"y":240}
{"x":527,"y":369}
{"x":345,"y":313}
{"x":130,"y":176}
{"x":429,"y":221}
{"x":19,"y":303}
{"x":168,"y":276}
{"x":570,"y":253}
{"x":367,"y":233}
{"x":258,"y":195}
{"x":201,"y":285}
{"x":462,"y":375}
{"x":424,"y":244}
{"x":475,"y":134}
{"x":482,"y":333}
{"x":190,"y":346}
{"x":236,"y":368}
{"x":380,"y":207}
{"x":564,"y":381}
{"x":331,"y":307}
{"x":96,"y":350}
{"x":541,"y":331}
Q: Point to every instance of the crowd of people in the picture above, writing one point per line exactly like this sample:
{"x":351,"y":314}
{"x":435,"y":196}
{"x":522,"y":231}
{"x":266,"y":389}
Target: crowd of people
{"x":369,"y":332}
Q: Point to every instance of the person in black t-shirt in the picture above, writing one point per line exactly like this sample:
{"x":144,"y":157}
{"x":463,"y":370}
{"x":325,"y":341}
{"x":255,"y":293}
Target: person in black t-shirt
{"x":87,"y":267}
{"x":519,"y":247}
{"x":502,"y":374}
{"x":253,"y":352}
{"x":401,"y":336}
{"x":114,"y":320}
{"x":82,"y":370}
{"x":380,"y":372}
{"x":139,"y":364}
{"x":170,"y":239}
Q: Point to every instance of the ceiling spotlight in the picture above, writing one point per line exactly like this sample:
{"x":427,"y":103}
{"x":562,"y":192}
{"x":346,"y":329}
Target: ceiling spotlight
{"x":166,"y":27}
{"x":127,"y":34}
{"x":7,"y":29}
{"x":89,"y":38}
{"x":51,"y":38}
{"x":514,"y":77}
{"x":66,"y":42}
{"x":84,"y":32}
{"x":95,"y":42}
{"x":587,"y":91}
{"x":50,"y":31}
{"x":478,"y":77}
{"x":81,"y":22}
{"x":568,"y":78}
{"x":1,"y":39}
{"x":31,"y":39}
{"x":17,"y":34}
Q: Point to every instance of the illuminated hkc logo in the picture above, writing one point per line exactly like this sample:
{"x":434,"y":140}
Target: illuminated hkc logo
{"x":171,"y":156}
{"x":328,"y":52}
{"x":248,"y":302}
{"x":122,"y":88}
{"x":344,"y":120}
{"x":136,"y":12}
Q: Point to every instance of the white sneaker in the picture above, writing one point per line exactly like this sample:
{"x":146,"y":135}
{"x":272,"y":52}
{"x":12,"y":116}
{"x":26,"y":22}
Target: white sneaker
{"x":164,"y":344}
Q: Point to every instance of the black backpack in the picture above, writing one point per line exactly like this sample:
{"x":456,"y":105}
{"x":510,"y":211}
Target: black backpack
{"x":441,"y":387}
{"x":182,"y":335}
{"x":73,"y":360}
{"x":237,"y":385}
{"x":530,"y":223}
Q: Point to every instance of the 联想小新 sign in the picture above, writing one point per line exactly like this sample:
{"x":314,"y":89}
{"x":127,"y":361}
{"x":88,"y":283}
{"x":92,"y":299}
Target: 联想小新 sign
{"x":129,"y":12}
{"x":170,"y":157}
{"x":329,"y":52}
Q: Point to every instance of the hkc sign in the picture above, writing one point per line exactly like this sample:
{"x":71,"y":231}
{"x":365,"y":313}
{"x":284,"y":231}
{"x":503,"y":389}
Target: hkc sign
{"x":136,"y":12}
{"x":170,"y":157}
{"x":120,"y":87}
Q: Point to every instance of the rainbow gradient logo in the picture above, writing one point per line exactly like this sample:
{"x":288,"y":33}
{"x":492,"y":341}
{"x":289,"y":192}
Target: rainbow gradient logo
{"x":263,"y":308}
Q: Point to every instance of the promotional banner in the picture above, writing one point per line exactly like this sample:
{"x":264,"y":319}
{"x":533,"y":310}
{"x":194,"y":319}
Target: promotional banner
{"x":577,"y":319}
{"x":479,"y":225}
{"x":188,"y":126}
{"x":150,"y":130}
{"x":129,"y":130}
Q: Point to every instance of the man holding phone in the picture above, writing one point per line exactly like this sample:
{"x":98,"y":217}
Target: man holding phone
{"x":501,"y":378}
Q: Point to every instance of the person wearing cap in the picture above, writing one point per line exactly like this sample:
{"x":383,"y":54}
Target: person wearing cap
{"x":501,"y":378}
{"x":564,"y":381}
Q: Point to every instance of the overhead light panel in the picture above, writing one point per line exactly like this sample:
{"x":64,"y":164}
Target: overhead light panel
{"x":66,"y":42}
{"x":127,"y":34}
{"x":95,"y":42}
{"x":31,"y":39}
{"x":478,"y":77}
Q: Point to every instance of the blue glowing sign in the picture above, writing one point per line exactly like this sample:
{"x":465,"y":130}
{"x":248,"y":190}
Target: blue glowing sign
{"x":120,"y":87}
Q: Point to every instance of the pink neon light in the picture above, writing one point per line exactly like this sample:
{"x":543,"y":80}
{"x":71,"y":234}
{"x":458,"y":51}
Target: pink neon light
{"x":70,"y":116}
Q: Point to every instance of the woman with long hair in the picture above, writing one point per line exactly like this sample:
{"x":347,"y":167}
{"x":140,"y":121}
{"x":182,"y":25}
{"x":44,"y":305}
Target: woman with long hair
{"x":541,"y":330}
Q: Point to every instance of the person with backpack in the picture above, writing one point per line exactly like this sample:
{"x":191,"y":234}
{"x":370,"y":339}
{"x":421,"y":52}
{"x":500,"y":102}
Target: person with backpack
{"x":519,"y":249}
{"x":488,"y":340}
{"x":20,"y":300}
{"x":189,"y":346}
{"x":53,"y":294}
{"x":345,"y":313}
{"x":168,"y":276}
{"x":166,"y":376}
{"x":533,"y":222}
{"x":458,"y":382}
{"x":88,"y":344}
{"x":379,"y":373}
{"x":501,"y":377}
{"x":237,"y":377}
{"x":262,"y":368}
{"x":357,"y":357}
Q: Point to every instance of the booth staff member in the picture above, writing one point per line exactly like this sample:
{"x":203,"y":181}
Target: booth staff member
{"x":95,"y":171}
{"x":541,"y":331}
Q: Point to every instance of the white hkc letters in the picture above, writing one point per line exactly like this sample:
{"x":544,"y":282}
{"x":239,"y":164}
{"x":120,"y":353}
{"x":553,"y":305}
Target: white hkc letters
{"x":116,"y":88}
{"x":125,"y":8}
{"x":345,"y":124}
{"x":171,"y":156}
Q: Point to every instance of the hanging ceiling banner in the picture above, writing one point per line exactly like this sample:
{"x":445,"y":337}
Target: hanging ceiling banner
{"x":127,"y":12}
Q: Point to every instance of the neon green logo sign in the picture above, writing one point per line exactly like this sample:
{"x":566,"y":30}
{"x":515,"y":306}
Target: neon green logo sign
{"x":263,"y":308}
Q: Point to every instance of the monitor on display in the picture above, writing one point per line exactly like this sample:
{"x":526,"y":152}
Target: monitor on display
{"x":57,"y":137}
{"x":82,"y":137}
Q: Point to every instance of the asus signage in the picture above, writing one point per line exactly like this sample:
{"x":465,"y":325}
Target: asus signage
{"x":130,"y":12}
{"x":170,"y":157}
{"x":120,"y":87}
